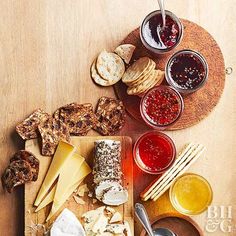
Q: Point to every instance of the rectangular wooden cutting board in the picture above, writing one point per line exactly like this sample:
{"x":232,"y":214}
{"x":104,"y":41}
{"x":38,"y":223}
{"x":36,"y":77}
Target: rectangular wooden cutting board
{"x":85,"y":147}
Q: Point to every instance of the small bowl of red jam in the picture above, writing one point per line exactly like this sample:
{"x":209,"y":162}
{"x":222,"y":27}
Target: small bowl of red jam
{"x":154,"y":152}
{"x":161,"y":107}
{"x":157,"y":38}
{"x":187,"y":71}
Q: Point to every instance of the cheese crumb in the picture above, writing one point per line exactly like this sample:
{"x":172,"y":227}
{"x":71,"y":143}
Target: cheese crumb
{"x":79,"y":200}
{"x":117,"y":217}
{"x":82,"y":190}
{"x":94,"y":200}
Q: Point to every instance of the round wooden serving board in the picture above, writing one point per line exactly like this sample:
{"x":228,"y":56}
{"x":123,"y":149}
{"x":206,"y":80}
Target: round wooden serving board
{"x":180,"y":225}
{"x":199,"y":104}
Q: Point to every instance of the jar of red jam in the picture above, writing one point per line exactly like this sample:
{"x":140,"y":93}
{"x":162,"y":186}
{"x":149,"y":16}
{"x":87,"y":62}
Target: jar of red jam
{"x":161,"y":107}
{"x":187,"y":71}
{"x":154,"y":152}
{"x":157,"y":38}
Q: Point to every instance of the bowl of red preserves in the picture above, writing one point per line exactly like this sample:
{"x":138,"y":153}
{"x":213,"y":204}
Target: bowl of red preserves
{"x":186,"y":71}
{"x":157,"y":38}
{"x":161,"y":107}
{"x":154,"y":152}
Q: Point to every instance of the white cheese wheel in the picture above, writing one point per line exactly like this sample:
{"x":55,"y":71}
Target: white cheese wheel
{"x":67,"y":224}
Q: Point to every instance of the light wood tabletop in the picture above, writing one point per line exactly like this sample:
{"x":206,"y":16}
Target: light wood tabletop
{"x":47,"y":47}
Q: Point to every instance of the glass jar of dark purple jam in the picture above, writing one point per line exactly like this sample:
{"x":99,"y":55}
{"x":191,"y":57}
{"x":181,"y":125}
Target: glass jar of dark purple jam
{"x":186,"y":71}
{"x":158,"y":39}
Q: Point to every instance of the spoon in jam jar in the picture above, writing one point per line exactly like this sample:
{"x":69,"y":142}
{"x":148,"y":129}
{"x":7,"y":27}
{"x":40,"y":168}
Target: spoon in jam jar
{"x":159,"y":28}
{"x":163,"y":13}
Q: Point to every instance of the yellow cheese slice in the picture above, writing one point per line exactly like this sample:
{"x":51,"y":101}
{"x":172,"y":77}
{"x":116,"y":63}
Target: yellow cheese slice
{"x":83,"y":171}
{"x":48,"y":199}
{"x":68,"y":172}
{"x":63,"y":153}
{"x":81,"y":174}
{"x":71,"y":166}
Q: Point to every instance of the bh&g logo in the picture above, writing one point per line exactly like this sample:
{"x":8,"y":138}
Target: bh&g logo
{"x":219,"y":218}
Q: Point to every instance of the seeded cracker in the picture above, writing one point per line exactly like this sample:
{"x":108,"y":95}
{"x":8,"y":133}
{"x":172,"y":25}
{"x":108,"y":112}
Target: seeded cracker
{"x":28,"y":128}
{"x":79,"y":118}
{"x":52,"y":131}
{"x":110,"y":66}
{"x":111,"y":116}
{"x":125,"y":51}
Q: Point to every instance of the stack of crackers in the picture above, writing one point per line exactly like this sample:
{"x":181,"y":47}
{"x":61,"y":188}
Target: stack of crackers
{"x":142,"y":76}
{"x":109,"y":67}
{"x":72,"y":119}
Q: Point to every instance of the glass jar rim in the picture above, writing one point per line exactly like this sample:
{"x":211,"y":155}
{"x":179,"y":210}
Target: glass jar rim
{"x":200,"y":177}
{"x":167,"y":138}
{"x":175,"y":18}
{"x":169,"y":78}
{"x":180,"y":100}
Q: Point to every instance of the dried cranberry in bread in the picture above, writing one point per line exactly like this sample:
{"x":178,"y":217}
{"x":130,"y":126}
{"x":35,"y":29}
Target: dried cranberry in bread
{"x":111,"y":116}
{"x":29,"y":127}
{"x":52,"y":131}
{"x":17,"y":173}
{"x":23,"y":168}
{"x":79,"y":118}
{"x":31,"y":159}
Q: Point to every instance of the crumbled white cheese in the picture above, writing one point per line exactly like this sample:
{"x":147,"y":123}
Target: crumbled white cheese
{"x":117,"y":217}
{"x":96,"y":223}
{"x":82,"y":190}
{"x":79,"y":200}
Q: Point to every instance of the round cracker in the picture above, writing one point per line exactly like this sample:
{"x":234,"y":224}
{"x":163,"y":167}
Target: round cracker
{"x":143,"y":86}
{"x":144,"y":76}
{"x":136,"y":70}
{"x":97,"y":78}
{"x":160,"y":77}
{"x":110,"y":66}
{"x":125,"y":51}
{"x":157,"y":81}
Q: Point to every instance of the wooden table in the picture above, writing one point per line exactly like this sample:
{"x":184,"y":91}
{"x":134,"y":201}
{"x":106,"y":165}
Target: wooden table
{"x":47,"y":47}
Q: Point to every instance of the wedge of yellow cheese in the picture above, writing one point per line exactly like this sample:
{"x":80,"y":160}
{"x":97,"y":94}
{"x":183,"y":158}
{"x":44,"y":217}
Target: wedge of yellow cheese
{"x":83,"y":171}
{"x":47,"y":200}
{"x":66,"y":176}
{"x":63,"y":153}
{"x":80,"y":175}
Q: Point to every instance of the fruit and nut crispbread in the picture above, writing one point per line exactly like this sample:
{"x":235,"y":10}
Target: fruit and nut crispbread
{"x":23,"y":168}
{"x":52,"y":131}
{"x":28,"y":128}
{"x":31,"y":159}
{"x":79,"y":118}
{"x":111,"y":116}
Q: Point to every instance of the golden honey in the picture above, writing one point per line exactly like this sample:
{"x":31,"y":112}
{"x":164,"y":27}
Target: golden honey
{"x":191,"y":194}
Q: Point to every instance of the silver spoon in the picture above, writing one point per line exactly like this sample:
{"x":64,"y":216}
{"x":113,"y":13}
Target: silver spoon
{"x":159,"y":28}
{"x":143,"y":217}
{"x":163,"y":13}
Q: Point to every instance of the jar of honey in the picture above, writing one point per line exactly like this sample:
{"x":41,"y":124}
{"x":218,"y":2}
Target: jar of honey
{"x":191,"y":194}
